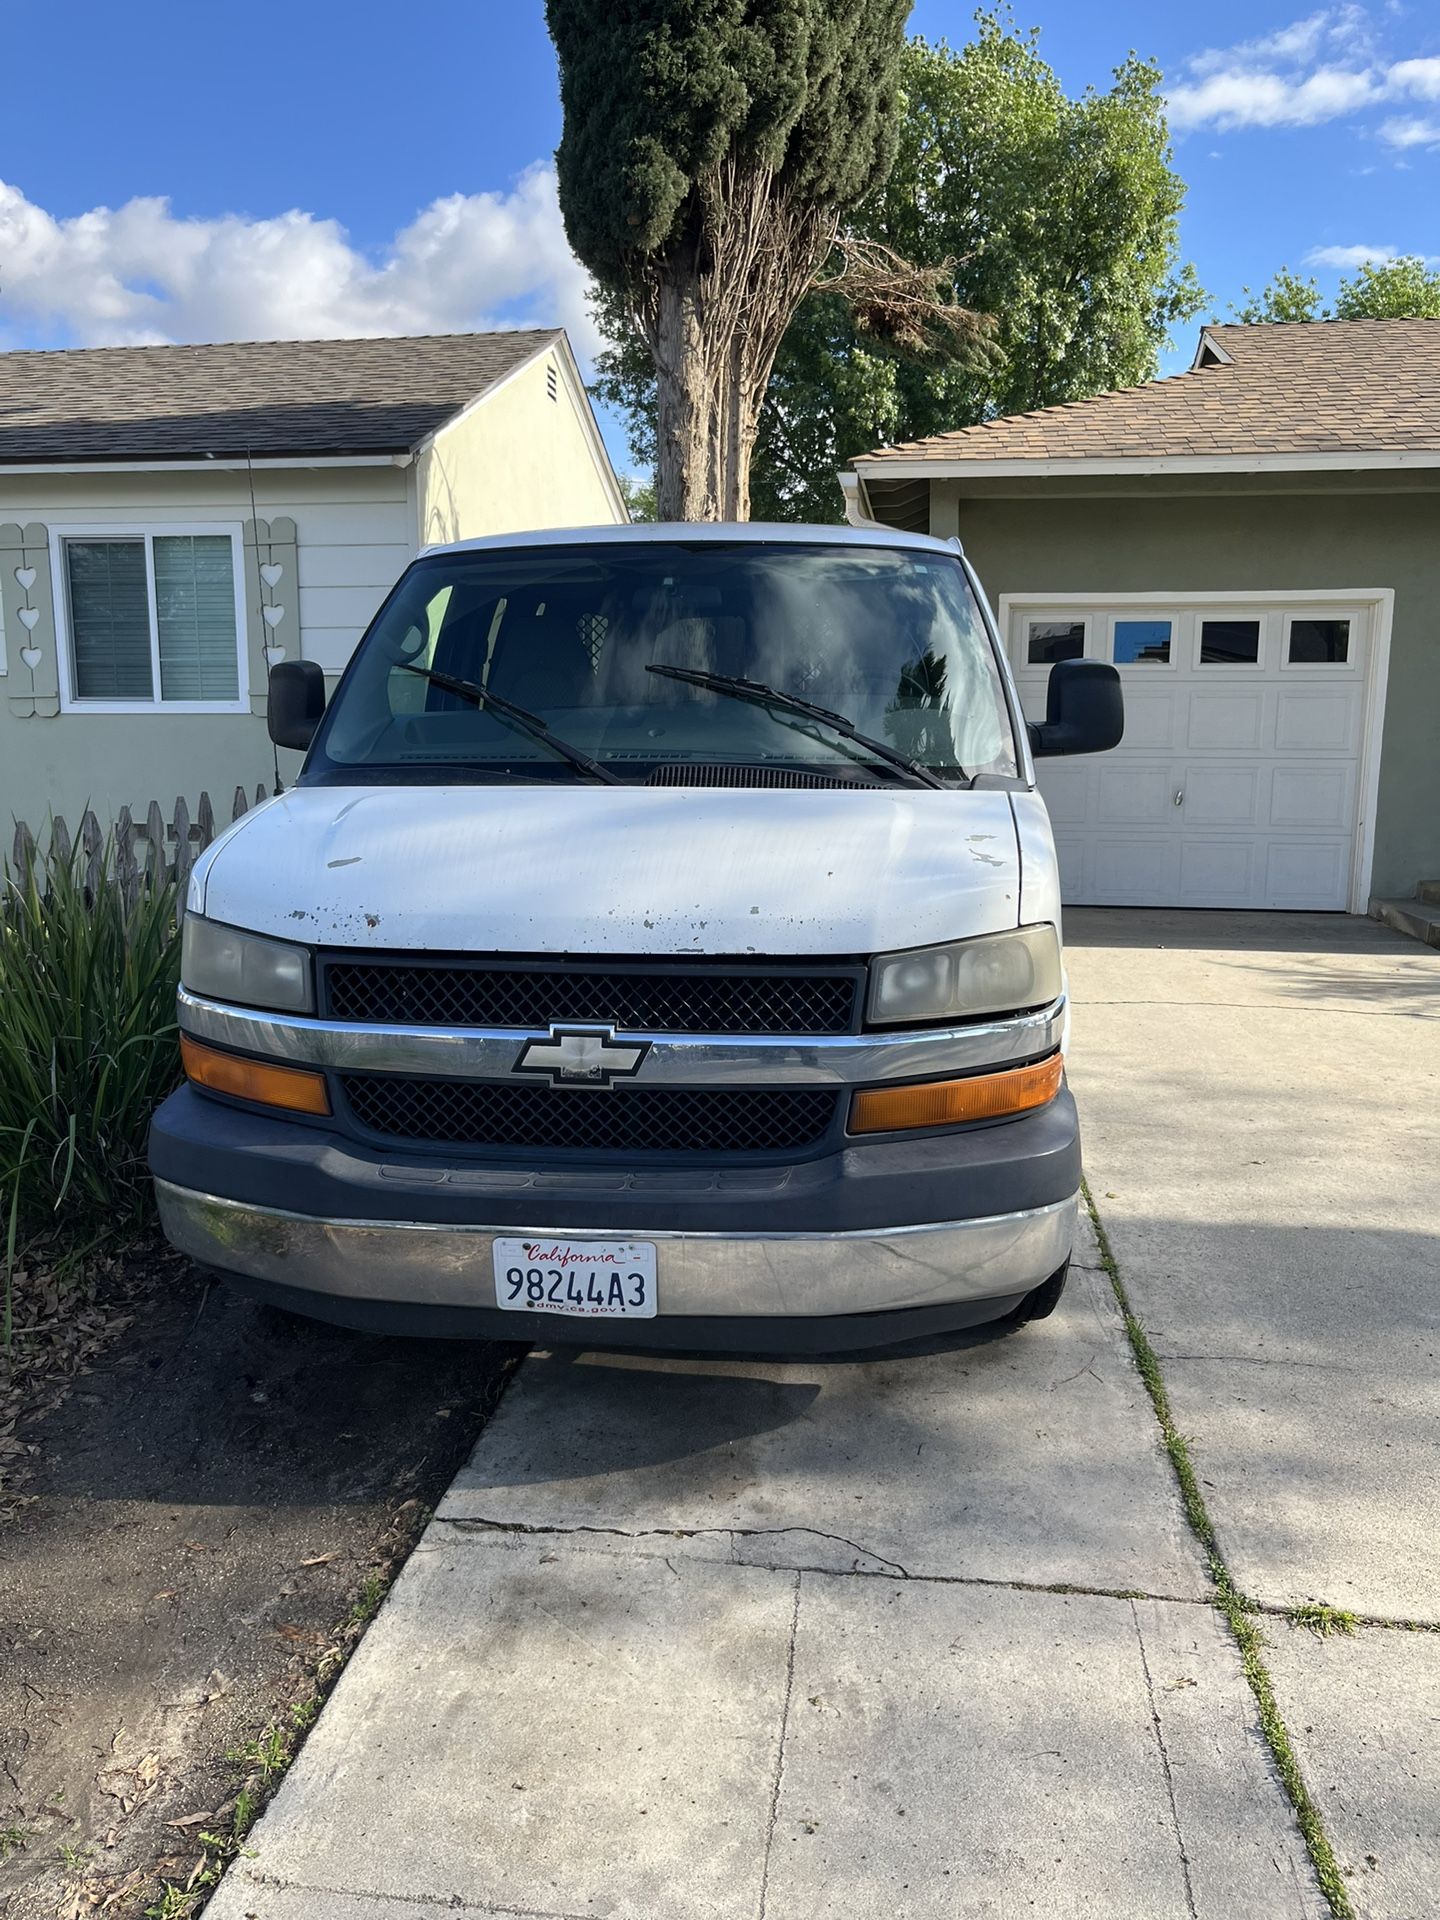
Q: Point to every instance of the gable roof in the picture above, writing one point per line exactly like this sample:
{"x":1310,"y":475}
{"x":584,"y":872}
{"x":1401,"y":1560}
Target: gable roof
{"x":266,"y":398}
{"x":1326,"y":393}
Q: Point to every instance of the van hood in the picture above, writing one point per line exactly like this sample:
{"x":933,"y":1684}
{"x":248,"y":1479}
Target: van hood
{"x":586,"y":869}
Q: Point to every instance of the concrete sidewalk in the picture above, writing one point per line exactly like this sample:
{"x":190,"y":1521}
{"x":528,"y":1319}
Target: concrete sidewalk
{"x":1261,"y":1096}
{"x":930,"y":1636}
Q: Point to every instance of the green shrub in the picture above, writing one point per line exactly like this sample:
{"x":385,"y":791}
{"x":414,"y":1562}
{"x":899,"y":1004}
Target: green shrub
{"x":87,"y":1042}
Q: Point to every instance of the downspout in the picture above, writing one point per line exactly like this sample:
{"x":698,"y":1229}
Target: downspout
{"x":857,"y":501}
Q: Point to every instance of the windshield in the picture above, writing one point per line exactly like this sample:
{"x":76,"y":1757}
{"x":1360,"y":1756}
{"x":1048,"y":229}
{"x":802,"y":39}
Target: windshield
{"x":889,"y":638}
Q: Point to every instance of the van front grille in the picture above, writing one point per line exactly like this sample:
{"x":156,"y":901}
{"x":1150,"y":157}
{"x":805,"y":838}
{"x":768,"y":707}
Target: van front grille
{"x":651,"y":1120}
{"x":409,"y":991}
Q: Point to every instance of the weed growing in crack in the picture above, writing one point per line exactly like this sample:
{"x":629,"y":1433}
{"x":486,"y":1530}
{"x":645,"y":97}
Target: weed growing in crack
{"x":1240,"y":1612}
{"x":1321,"y":1619}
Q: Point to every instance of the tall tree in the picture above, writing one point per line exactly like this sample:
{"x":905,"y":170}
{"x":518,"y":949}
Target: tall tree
{"x":710,"y":149}
{"x":1059,"y":219}
{"x":1401,"y":289}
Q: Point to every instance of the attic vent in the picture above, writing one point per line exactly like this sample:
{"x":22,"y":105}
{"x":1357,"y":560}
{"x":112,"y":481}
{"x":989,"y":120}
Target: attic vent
{"x":552,"y":383}
{"x":672,"y":774}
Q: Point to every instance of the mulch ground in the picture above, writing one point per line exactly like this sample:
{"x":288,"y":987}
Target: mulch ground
{"x":201,"y":1501}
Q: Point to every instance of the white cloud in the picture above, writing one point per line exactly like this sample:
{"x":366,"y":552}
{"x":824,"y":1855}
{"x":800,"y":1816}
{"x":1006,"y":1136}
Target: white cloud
{"x":1349,"y":256}
{"x":1410,"y":133}
{"x":1418,"y":77}
{"x":141,"y":273}
{"x":1241,"y":99}
{"x":1320,"y":68}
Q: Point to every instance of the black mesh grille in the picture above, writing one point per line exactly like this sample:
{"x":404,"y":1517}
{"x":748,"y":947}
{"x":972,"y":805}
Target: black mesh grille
{"x":478,"y":1113}
{"x":700,"y":1000}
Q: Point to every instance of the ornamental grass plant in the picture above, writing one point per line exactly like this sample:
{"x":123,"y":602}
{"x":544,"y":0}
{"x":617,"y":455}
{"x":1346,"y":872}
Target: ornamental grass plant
{"x":89,"y":961}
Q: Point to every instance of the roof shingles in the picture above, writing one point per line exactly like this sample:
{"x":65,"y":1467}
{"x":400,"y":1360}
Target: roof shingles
{"x":267,"y":398}
{"x":1323,"y":387}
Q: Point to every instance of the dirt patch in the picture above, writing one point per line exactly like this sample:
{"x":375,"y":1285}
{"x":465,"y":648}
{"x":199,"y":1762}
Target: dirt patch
{"x":211,"y":1512}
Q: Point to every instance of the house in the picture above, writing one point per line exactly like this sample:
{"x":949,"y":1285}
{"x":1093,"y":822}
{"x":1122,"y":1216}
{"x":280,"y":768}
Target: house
{"x":172,"y":519}
{"x":1256,"y":545}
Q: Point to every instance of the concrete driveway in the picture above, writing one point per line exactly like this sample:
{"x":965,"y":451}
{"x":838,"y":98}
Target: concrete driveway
{"x":934,"y":1635}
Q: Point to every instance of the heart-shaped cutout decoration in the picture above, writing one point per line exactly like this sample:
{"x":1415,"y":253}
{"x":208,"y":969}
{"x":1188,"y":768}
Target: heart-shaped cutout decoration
{"x":29,"y":618}
{"x":274,"y":655}
{"x":271,"y":575}
{"x":26,"y":577}
{"x":273,"y":616}
{"x":31,"y":656}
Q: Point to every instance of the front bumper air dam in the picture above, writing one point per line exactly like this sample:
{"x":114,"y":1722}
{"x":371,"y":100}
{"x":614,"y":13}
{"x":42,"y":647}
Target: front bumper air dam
{"x":882,"y":1241}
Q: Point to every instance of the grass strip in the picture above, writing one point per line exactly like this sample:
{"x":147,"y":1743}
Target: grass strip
{"x":1240,"y":1612}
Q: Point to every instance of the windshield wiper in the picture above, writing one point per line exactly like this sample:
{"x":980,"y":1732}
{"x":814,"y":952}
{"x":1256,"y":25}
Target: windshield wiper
{"x":520,"y":718}
{"x":775,"y":700}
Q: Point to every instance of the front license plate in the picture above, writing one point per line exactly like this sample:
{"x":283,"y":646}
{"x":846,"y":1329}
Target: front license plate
{"x":586,"y":1279}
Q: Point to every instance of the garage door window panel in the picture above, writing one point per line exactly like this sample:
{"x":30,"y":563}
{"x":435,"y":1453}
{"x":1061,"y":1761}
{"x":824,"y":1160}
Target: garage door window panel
{"x":1319,"y":642}
{"x":1050,"y":640}
{"x":1142,"y":642}
{"x":1230,"y":643}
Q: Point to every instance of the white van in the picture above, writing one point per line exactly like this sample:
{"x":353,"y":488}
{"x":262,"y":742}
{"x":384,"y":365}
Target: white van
{"x":661,"y":947}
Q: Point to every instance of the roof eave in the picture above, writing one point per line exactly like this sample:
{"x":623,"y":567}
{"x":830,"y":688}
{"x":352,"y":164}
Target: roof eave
{"x":885,"y":467}
{"x":211,"y":463}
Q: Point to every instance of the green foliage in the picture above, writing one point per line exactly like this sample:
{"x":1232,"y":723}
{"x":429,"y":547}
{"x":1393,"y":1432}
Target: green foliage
{"x":1059,"y":218}
{"x":87,"y":1043}
{"x":1401,"y":289}
{"x":1286,"y":298}
{"x":639,"y":497}
{"x":659,"y":95}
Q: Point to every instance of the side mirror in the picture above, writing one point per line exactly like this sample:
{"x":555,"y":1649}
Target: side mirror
{"x":1084,"y":710}
{"x":296,"y":702}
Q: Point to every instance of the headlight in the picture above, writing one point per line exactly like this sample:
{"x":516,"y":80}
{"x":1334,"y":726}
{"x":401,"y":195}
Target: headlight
{"x":998,"y":973}
{"x":222,"y":963}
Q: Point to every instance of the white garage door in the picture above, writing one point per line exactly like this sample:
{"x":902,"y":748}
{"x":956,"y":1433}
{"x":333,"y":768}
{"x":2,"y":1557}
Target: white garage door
{"x":1238,"y":781}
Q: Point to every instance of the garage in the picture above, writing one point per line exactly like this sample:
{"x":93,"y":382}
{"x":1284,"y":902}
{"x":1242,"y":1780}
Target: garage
{"x":1241,"y":781}
{"x":1255,"y":546}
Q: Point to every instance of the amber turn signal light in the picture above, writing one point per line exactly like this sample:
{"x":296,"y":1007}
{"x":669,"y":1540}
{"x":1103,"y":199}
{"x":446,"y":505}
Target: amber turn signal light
{"x":949,"y":1103}
{"x":258,"y":1080}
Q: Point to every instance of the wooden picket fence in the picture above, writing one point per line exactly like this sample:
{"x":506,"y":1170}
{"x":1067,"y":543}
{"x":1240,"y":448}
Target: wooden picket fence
{"x":148,"y":852}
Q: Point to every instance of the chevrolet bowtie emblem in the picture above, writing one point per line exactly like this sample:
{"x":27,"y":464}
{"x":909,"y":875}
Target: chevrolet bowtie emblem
{"x":581,"y":1056}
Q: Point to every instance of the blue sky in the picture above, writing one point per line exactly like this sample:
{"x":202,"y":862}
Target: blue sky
{"x":329,"y":173}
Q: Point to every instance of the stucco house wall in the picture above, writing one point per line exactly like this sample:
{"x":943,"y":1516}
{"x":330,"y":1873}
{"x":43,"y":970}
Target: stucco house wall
{"x":1244,"y":539}
{"x":526,"y":454}
{"x":354,"y":533}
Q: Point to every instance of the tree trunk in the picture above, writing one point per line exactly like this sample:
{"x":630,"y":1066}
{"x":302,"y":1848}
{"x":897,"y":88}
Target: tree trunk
{"x":685,"y":468}
{"x":714,"y":316}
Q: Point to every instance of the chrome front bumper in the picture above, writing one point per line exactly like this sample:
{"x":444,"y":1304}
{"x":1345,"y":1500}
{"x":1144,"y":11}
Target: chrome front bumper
{"x":701,"y":1275}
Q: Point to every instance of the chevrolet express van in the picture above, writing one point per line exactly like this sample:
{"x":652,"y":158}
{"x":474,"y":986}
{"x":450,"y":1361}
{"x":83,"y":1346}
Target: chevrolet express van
{"x":660,"y":946}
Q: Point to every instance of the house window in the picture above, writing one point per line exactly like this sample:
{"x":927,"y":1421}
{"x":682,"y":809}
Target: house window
{"x":153,"y":619}
{"x":1142,"y":642}
{"x":1052,"y":640}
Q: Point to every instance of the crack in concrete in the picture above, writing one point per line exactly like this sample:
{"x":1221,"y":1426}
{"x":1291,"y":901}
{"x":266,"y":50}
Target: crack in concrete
{"x":1169,"y":1777}
{"x":778,"y":1782}
{"x":1060,"y":1588}
{"x":433,"y":1902}
{"x":732,"y":1534}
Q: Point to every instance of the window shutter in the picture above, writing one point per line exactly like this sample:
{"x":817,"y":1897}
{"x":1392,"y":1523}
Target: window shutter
{"x":110,"y":619}
{"x":27,"y":621}
{"x":195,"y":616}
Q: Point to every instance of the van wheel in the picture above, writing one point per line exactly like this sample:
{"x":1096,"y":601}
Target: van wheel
{"x":1042,"y":1301}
